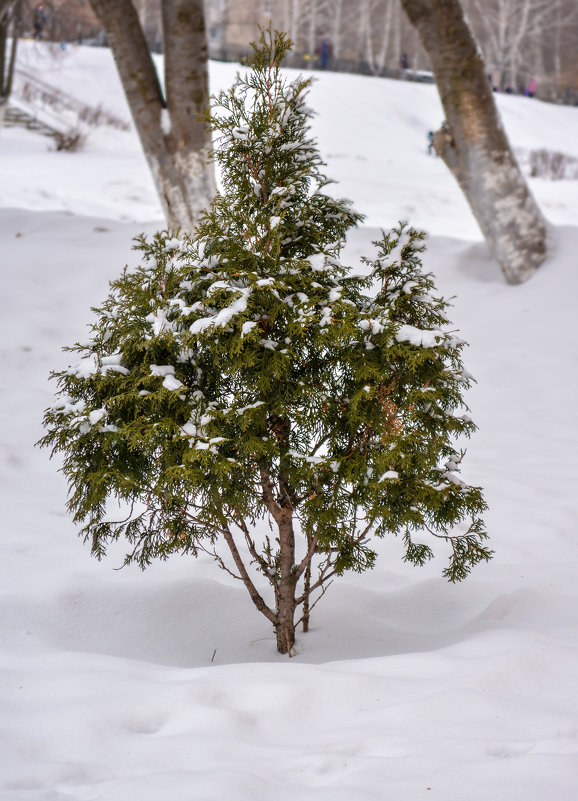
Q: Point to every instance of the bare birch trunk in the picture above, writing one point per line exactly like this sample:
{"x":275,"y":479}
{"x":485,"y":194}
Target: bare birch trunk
{"x":385,"y":36}
{"x":363,"y":30}
{"x":312,"y":33}
{"x":336,"y":29}
{"x":557,"y":43}
{"x":294,"y":29}
{"x":473,"y":143}
{"x":395,"y":54}
{"x":175,"y":141}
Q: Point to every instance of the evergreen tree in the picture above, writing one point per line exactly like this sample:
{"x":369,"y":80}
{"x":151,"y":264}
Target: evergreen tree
{"x":244,"y":374}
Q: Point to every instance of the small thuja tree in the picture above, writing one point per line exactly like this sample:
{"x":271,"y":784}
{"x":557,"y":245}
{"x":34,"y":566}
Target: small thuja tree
{"x":244,"y":375}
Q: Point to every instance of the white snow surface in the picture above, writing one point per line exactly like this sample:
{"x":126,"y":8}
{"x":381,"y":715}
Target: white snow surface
{"x":119,"y":685}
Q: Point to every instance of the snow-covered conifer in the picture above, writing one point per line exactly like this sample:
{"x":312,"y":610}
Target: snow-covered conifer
{"x":246,"y":375}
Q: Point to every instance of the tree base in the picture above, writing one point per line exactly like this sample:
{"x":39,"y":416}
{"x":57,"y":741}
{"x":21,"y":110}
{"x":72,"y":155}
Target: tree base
{"x":285,"y":640}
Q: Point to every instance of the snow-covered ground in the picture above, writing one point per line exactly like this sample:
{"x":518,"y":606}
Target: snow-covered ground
{"x":164,"y":685}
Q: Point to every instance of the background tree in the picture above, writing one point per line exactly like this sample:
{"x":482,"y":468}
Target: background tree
{"x":175,"y":139}
{"x":473,"y":143}
{"x":519,"y":39}
{"x":9,"y":34}
{"x":243,"y":376}
{"x":522,"y":39}
{"x":5,"y":7}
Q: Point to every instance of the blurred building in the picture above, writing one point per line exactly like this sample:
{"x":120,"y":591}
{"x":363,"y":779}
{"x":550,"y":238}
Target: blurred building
{"x":232,"y":25}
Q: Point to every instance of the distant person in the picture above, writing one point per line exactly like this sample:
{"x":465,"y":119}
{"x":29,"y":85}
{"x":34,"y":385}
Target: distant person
{"x":531,"y":87}
{"x":430,"y":142}
{"x":325,"y":54}
{"x":404,"y":61}
{"x":39,"y":21}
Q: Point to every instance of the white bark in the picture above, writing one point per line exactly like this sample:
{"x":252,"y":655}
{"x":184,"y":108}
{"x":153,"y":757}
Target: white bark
{"x":473,"y":143}
{"x":312,"y":31}
{"x":513,"y":227}
{"x":509,"y":32}
{"x":336,"y":27}
{"x":176,"y":152}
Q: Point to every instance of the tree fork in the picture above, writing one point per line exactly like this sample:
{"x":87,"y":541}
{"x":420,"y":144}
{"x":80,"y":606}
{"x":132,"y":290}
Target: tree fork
{"x":178,"y":158}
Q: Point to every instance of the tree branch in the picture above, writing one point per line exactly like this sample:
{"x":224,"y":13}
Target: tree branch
{"x":246,"y":579}
{"x":314,"y":604}
{"x":263,"y":564}
{"x":323,"y":577}
{"x":269,"y":495}
{"x":306,"y":559}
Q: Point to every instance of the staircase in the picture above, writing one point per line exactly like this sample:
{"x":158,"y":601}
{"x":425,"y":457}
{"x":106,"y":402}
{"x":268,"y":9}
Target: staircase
{"x":40,"y":107}
{"x":15,"y":117}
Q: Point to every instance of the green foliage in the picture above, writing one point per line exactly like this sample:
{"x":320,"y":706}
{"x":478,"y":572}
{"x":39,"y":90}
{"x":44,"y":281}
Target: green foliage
{"x":249,"y":357}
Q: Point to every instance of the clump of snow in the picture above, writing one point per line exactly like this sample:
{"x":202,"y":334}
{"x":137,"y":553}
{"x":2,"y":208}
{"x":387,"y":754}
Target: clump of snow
{"x":96,"y":416}
{"x":419,"y":337}
{"x":247,"y":326}
{"x":162,"y":369}
{"x":170,"y":382}
{"x":224,"y":316}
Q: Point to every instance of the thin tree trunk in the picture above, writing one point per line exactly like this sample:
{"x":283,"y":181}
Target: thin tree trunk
{"x":336,"y":30}
{"x":517,"y":42}
{"x":395,"y":54}
{"x":473,"y":143}
{"x":557,"y":58}
{"x":385,"y":35}
{"x":312,"y":33}
{"x":285,"y":625}
{"x":294,"y":29}
{"x":9,"y":18}
{"x":4,"y":20}
{"x":280,"y":506}
{"x":286,"y":600}
{"x":363,"y":29}
{"x":173,"y":139}
{"x":307,"y":586}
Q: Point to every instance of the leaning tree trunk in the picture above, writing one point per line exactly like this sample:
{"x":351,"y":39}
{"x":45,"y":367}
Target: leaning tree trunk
{"x":473,"y":144}
{"x":174,"y":138}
